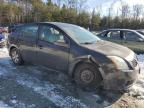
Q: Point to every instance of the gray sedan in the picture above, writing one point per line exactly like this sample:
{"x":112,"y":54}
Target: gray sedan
{"x":127,"y":37}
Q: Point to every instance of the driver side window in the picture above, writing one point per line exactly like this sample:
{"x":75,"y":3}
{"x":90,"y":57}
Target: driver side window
{"x":113,"y":35}
{"x":50,"y":34}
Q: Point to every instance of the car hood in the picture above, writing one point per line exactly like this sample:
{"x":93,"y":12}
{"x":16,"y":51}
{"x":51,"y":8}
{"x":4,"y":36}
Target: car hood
{"x":109,"y":49}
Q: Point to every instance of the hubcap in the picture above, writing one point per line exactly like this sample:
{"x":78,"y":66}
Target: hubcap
{"x":15,"y":56}
{"x":87,"y":76}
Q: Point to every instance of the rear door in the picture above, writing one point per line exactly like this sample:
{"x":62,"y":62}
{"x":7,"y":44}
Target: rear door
{"x":53,"y":48}
{"x":27,"y":42}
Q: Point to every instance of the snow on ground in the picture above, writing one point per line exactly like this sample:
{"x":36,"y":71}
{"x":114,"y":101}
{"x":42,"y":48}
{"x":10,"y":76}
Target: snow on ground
{"x":33,"y":86}
{"x":3,"y":52}
{"x":31,"y":77}
{"x":3,"y":105}
{"x":138,"y":88}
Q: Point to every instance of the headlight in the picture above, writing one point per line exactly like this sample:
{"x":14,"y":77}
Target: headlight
{"x":119,"y":62}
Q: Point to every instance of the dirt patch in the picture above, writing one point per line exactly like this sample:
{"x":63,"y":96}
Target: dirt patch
{"x":127,"y":101}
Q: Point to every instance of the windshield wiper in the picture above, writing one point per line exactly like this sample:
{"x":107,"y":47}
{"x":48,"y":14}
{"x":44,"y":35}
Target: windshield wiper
{"x":87,"y":43}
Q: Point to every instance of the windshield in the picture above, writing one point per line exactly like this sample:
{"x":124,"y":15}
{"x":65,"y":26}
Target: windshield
{"x":80,"y":34}
{"x":141,"y":32}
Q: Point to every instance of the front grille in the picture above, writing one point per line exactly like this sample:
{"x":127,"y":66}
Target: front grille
{"x":134,"y":63}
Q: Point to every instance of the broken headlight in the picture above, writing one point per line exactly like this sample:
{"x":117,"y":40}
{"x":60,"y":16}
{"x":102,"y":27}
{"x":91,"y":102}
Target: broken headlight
{"x":119,"y":63}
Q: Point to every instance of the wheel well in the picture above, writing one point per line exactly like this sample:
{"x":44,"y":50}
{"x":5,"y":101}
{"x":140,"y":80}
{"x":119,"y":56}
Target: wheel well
{"x":11,"y":49}
{"x":76,"y":65}
{"x":79,"y":63}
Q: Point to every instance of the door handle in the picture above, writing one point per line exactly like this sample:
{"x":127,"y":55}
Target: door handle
{"x":40,"y":46}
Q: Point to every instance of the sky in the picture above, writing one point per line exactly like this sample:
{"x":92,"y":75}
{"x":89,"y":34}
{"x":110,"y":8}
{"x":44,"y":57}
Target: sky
{"x":106,"y":4}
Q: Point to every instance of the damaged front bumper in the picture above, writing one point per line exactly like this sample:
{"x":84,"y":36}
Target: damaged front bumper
{"x":121,"y":79}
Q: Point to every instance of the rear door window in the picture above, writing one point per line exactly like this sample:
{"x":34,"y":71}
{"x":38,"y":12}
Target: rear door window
{"x":113,"y":35}
{"x":103,"y":34}
{"x":131,"y":36}
{"x":30,"y":31}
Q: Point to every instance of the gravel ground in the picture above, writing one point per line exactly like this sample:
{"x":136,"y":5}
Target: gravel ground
{"x":32,"y":86}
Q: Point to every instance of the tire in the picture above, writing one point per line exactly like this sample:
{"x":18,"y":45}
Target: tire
{"x":16,"y":57}
{"x":87,"y":76}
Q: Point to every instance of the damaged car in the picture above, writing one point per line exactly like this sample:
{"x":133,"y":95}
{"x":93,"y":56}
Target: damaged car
{"x":63,"y":47}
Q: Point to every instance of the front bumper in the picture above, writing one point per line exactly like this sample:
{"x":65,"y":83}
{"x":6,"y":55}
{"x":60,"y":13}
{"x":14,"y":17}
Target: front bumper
{"x":121,"y":80}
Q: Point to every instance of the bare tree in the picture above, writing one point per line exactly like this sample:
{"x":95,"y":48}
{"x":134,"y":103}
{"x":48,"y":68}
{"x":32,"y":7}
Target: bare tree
{"x":59,"y":2}
{"x":77,"y":4}
{"x":137,"y":11}
{"x":125,"y":11}
{"x":81,"y":4}
{"x":99,"y":10}
{"x":125,"y":14}
{"x":71,"y":3}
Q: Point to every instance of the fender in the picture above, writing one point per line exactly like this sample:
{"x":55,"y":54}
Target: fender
{"x":77,"y":61}
{"x":12,"y":46}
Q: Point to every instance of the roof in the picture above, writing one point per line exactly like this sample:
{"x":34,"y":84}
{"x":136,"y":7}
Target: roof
{"x":119,"y":30}
{"x":58,"y":23}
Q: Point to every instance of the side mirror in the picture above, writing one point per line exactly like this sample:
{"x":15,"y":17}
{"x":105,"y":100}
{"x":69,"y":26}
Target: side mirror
{"x":140,"y":39}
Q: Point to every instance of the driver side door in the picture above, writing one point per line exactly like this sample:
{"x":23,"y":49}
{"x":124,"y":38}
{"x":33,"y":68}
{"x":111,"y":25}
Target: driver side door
{"x":112,"y":36}
{"x":53,"y":48}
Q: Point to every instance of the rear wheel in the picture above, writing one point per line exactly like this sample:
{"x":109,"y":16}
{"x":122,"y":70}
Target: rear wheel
{"x":87,"y":75}
{"x":16,"y":57}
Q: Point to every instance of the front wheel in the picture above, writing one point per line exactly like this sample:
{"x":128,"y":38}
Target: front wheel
{"x":16,"y":57}
{"x":87,"y":75}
